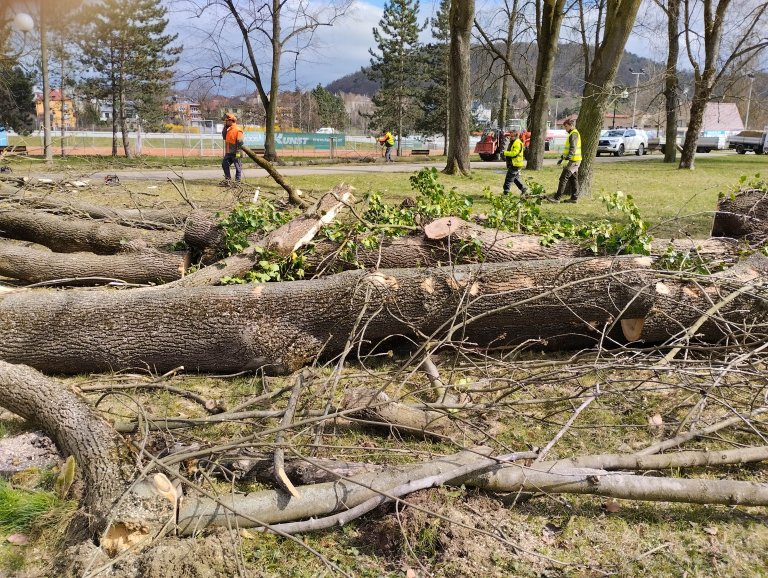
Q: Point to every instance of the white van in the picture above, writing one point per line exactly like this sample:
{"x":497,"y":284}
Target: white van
{"x":327,"y":130}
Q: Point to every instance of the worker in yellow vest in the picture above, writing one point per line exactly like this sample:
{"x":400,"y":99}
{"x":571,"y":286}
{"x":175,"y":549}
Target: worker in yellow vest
{"x":569,"y":177}
{"x":387,"y":141}
{"x":515,"y":158}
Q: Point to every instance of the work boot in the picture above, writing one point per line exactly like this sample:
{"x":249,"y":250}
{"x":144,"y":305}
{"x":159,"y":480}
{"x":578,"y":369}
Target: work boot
{"x":571,"y":200}
{"x":554,"y":199}
{"x":225,"y":183}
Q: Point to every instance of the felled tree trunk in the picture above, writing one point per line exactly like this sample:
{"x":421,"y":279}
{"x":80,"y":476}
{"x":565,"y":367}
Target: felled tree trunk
{"x":281,"y":326}
{"x":65,"y":235}
{"x":145,"y":218}
{"x":743,"y":216}
{"x":704,"y":308}
{"x":98,"y":450}
{"x":35,"y":265}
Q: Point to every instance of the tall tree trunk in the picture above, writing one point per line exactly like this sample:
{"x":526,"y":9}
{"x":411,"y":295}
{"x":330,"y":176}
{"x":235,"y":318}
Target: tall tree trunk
{"x":461,"y":18}
{"x":270,"y":148}
{"x":598,"y":88}
{"x":704,"y":79}
{"x":671,"y":84}
{"x":551,"y":20}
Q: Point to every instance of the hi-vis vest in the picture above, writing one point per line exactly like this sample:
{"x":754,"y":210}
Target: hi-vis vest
{"x":574,"y":154}
{"x":233,"y":138}
{"x":515,"y":153}
{"x":388,"y":138}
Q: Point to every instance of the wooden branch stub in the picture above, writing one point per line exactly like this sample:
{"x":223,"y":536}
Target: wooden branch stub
{"x":632,"y":328}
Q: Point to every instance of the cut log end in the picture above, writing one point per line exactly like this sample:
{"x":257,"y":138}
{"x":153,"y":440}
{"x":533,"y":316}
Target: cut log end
{"x":632,"y":328}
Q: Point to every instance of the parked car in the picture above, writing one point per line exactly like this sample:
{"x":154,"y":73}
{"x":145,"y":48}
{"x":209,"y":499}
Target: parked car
{"x":618,"y":141}
{"x":327,"y":130}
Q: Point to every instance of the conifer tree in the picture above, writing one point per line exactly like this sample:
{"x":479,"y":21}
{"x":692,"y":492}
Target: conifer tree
{"x":17,"y":107}
{"x":330,"y":108}
{"x":433,"y":100}
{"x":398,"y":66}
{"x":125,"y":45}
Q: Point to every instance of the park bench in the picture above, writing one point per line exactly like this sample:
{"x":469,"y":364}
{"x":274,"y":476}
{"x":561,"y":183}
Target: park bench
{"x":424,"y":152}
{"x":14,"y":149}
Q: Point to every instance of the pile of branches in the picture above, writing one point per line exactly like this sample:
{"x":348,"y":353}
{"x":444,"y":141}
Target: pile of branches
{"x":459,"y":321}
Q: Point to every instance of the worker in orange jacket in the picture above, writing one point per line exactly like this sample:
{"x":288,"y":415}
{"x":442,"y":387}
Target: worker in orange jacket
{"x":233,"y":143}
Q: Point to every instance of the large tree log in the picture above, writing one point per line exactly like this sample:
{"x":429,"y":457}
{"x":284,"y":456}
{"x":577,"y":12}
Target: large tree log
{"x":35,"y":265}
{"x":65,"y":235}
{"x":743,"y":216}
{"x":281,"y":326}
{"x":720,"y":302}
{"x":145,"y":218}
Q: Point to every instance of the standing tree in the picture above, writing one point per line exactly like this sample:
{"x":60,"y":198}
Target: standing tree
{"x":434,"y":100}
{"x":671,"y":9}
{"x":281,"y":26}
{"x":704,"y":32}
{"x":17,"y":106}
{"x":612,"y":28}
{"x":124,"y":44}
{"x":461,"y":17}
{"x":330,"y":108}
{"x":398,"y":67}
{"x":549,"y":16}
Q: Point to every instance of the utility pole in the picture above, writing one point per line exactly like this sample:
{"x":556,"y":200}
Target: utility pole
{"x":637,"y":84}
{"x":751,"y":77}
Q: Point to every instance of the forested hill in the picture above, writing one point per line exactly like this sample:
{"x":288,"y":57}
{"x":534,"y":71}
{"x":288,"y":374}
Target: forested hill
{"x":355,"y":83}
{"x":568,"y":76}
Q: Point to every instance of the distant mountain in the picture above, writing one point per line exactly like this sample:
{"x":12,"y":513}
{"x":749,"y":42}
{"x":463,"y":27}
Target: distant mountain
{"x":568,"y":76}
{"x":355,"y":83}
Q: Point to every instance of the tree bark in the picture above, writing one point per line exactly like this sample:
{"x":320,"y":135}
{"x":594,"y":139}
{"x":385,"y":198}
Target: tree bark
{"x":461,"y":17}
{"x":98,"y":450}
{"x":552,"y":14}
{"x":35,"y":265}
{"x":65,"y":235}
{"x":743,"y":216}
{"x":598,"y":88}
{"x":281,"y":326}
{"x":671,"y":84}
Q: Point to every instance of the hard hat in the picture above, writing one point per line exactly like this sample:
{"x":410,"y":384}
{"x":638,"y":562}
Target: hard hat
{"x":230,"y":116}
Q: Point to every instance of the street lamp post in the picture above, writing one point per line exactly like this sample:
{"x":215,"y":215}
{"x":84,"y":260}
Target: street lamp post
{"x":751,"y":77}
{"x":557,"y":102}
{"x":637,"y":84}
{"x":623,"y":95}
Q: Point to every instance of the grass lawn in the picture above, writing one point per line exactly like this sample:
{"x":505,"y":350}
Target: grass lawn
{"x":675,"y":202}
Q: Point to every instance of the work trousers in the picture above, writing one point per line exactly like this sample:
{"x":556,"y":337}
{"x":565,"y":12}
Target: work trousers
{"x":231,"y":159}
{"x":388,"y":154}
{"x":569,"y":181}
{"x":513,"y":176}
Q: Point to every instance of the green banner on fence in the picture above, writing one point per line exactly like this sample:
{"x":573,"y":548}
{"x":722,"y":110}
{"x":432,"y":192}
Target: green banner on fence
{"x":297,"y":140}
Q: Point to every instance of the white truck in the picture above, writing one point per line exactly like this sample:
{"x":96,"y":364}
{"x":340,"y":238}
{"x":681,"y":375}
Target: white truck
{"x":617,"y":141}
{"x":750,"y":140}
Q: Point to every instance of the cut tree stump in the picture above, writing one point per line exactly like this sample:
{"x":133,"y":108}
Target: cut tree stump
{"x":743,"y":216}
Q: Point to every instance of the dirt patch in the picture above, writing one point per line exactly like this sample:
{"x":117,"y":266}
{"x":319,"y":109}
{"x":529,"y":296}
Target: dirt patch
{"x":27,"y":450}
